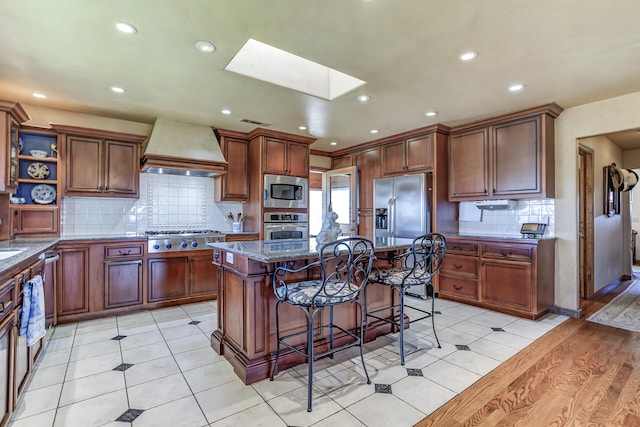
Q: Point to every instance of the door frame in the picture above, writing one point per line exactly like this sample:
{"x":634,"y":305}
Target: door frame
{"x":351,"y":227}
{"x":586,"y":221}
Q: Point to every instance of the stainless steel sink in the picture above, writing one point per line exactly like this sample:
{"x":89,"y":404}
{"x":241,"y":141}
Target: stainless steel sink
{"x":8,"y":253}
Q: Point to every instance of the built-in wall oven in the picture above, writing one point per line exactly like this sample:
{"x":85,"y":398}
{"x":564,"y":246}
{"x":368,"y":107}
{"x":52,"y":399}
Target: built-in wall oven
{"x":286,"y":226}
{"x":288,"y":192}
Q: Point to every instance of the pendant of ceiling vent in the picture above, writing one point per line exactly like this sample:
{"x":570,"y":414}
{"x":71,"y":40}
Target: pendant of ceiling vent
{"x":253,"y":122}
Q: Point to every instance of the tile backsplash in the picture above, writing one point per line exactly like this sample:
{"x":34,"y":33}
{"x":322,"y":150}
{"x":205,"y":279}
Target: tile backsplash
{"x":166,"y":202}
{"x":509,"y":221}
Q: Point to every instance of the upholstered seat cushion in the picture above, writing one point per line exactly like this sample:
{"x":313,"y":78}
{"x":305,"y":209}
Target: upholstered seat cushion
{"x":400,"y":277}
{"x":301,"y":293}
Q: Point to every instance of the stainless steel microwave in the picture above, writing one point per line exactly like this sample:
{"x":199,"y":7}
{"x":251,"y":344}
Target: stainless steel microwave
{"x":286,"y":192}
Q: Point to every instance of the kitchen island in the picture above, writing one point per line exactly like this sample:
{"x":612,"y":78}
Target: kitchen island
{"x":246,"y":333}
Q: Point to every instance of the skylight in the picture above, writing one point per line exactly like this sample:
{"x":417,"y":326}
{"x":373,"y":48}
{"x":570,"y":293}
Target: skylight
{"x":270,"y":64}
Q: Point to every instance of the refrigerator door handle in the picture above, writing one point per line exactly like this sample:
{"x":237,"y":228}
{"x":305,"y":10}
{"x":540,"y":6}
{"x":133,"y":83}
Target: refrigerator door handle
{"x":392,"y":217}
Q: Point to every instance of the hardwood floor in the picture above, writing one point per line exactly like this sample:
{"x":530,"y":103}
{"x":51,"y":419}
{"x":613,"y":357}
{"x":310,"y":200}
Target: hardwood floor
{"x":579,"y":374}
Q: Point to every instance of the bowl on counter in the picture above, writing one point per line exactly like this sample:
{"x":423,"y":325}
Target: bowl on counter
{"x":38,"y":153}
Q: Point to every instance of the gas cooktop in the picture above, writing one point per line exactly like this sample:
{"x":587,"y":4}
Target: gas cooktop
{"x":180,"y":232}
{"x":159,"y":241}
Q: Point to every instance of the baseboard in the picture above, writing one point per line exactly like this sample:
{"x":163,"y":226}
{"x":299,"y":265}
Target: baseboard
{"x":576,"y":314}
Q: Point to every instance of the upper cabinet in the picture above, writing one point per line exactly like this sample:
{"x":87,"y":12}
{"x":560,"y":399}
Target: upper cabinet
{"x":34,"y":209}
{"x":234,"y":185}
{"x":510,"y":156}
{"x":100,"y":163}
{"x":407,"y":156}
{"x":283,"y":157}
{"x":11,"y":115}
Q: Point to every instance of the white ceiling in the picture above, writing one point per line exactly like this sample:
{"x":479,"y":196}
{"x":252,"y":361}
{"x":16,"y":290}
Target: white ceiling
{"x":570,"y":52}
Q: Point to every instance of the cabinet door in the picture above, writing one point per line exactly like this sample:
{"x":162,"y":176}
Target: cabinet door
{"x":516,"y":158}
{"x":368,"y":163}
{"x":419,"y":154}
{"x":122,"y":283}
{"x":275,"y":156}
{"x":168,"y":278}
{"x":73,"y":281}
{"x":469,"y":165}
{"x":342,"y":161}
{"x":393,"y":158}
{"x":21,"y":360}
{"x":234,"y":185}
{"x":84,"y":163}
{"x":507,"y":284}
{"x":35,"y":220}
{"x":203,"y":275}
{"x":297,"y":159}
{"x":49,"y":287}
{"x":122,"y":169}
{"x":11,"y":181}
{"x":6,"y":367}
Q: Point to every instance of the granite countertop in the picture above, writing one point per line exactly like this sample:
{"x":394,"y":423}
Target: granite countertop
{"x":517,"y":239}
{"x":103,"y":237}
{"x":277,"y":250}
{"x":28,"y":248}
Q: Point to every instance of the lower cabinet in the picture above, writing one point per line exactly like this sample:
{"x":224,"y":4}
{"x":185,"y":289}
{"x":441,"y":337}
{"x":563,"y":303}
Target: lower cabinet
{"x":72,"y":294}
{"x":172,"y":277}
{"x":122,"y":283}
{"x":514,"y":276}
{"x":6,"y":367}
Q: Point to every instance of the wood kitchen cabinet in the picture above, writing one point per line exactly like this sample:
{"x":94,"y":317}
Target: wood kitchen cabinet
{"x":123,"y":275}
{"x":510,"y":156}
{"x":7,"y":329}
{"x":342,"y":161}
{"x":515,"y":276}
{"x":11,"y":115}
{"x":72,"y":296}
{"x":234,"y":185}
{"x":175,"y":276}
{"x":100,"y":163}
{"x":34,"y":220}
{"x":282,"y":157}
{"x":368,"y":164}
{"x":408,"y":156}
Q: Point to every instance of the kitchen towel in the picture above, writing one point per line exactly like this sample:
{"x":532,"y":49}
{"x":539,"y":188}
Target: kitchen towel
{"x":32,"y":322}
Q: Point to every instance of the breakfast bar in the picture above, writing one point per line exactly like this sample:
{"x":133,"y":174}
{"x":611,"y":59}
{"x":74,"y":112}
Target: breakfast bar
{"x":246,"y":333}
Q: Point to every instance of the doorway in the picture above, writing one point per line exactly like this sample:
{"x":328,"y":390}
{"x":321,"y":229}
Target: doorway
{"x":340,"y":189}
{"x":585,"y":223}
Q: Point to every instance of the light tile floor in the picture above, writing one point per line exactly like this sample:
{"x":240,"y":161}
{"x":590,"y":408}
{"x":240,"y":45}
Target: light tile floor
{"x":160,"y":363}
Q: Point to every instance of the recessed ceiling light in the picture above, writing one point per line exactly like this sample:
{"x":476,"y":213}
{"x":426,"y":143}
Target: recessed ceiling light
{"x":373,"y":131}
{"x":117,"y":89}
{"x":467,"y":56}
{"x":302,"y":127}
{"x":126,"y":28}
{"x":39,"y":95}
{"x":363,"y":98}
{"x":205,"y":46}
{"x":430,"y":113}
{"x":333,"y":143}
{"x":516,"y":87}
{"x":226,"y":112}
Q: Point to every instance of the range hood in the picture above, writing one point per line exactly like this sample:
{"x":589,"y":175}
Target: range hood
{"x":180,"y":148}
{"x":496,"y":205}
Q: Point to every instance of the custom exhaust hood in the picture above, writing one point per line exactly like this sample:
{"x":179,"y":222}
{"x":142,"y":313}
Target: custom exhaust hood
{"x":180,"y":148}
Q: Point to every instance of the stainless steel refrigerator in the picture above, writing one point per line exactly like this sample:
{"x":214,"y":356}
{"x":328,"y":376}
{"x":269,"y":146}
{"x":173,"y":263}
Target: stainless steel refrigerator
{"x":401,"y":209}
{"x":401,"y":206}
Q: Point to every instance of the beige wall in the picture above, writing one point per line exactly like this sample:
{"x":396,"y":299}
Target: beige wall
{"x":608,"y":231}
{"x":610,"y":115}
{"x":41,"y":116}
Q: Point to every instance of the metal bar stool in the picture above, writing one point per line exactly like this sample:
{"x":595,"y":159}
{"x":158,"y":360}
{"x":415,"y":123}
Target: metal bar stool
{"x":417,"y":267}
{"x":346,"y":266}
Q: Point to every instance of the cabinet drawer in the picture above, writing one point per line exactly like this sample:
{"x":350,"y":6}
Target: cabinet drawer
{"x":119,"y":251}
{"x":451,"y":285}
{"x":460,"y":266}
{"x":463,"y":248}
{"x":6,"y":298}
{"x":507,"y":251}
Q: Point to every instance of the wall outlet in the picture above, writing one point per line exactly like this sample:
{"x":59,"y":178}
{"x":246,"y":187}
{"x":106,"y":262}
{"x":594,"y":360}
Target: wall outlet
{"x":229,"y":258}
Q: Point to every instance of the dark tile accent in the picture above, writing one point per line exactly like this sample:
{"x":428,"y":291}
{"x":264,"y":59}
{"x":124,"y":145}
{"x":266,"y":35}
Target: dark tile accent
{"x":437,"y":312}
{"x":414,"y":372}
{"x":383,"y":388}
{"x":194,"y":322}
{"x":462,"y":347}
{"x":498,"y":329}
{"x":123,"y":367}
{"x":129,"y":415}
{"x":119,"y":337}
